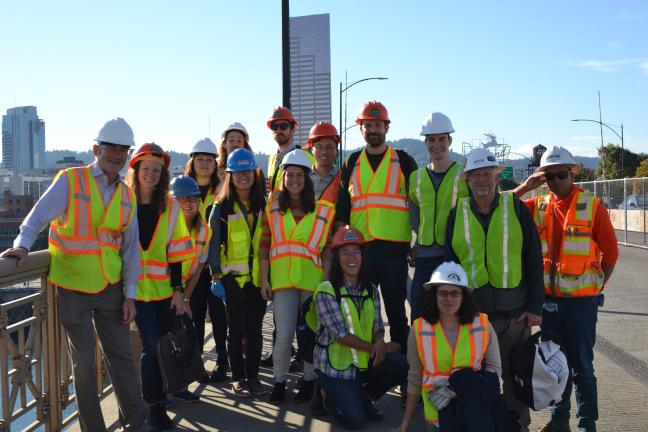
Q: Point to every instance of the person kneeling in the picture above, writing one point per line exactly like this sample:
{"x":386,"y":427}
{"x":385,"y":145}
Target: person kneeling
{"x":354,"y":365}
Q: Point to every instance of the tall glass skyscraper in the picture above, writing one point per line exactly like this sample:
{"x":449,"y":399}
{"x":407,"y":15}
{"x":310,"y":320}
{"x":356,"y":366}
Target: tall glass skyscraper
{"x":310,"y":72}
{"x":23,"y":140}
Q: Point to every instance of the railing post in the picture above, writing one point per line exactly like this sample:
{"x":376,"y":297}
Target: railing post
{"x":625,"y":211}
{"x":53,"y":362}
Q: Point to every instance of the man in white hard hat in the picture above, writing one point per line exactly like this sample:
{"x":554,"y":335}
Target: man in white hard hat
{"x":494,"y":238}
{"x":433,"y":192}
{"x":579,"y":250}
{"x":96,"y":271}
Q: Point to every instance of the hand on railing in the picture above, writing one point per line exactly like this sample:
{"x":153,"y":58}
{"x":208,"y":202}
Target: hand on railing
{"x":19,"y":253}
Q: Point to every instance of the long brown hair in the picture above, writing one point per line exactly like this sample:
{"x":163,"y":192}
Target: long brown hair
{"x":191,"y":171}
{"x":221,"y":161}
{"x":228,"y":196}
{"x":161,"y":191}
{"x":307,"y":200}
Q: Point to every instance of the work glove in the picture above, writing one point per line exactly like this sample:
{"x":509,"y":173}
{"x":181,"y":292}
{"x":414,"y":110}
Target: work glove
{"x":218,"y":290}
{"x":441,"y":396}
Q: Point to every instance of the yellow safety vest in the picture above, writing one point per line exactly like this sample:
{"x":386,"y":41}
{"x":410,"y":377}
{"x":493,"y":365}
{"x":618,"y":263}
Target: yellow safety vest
{"x":577,"y":272}
{"x":358,"y":323}
{"x":440,"y":361}
{"x":200,"y":239}
{"x":171,"y":243}
{"x":493,"y":257}
{"x":295,"y":251}
{"x":204,"y":203}
{"x":434,"y":206}
{"x":85,"y":242}
{"x":379,"y":199}
{"x":275,"y":172}
{"x":235,"y":256}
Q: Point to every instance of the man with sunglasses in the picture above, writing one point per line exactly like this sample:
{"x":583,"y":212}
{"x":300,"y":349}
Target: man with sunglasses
{"x":579,"y":250}
{"x":94,"y":245}
{"x":494,"y":238}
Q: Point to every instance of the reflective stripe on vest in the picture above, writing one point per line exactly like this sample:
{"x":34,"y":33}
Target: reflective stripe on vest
{"x":295,"y":251}
{"x":358,"y":323}
{"x":86,"y":241}
{"x":493,"y":257}
{"x":434,"y":206}
{"x":378,"y":197}
{"x":171,"y":242}
{"x":577,"y":271}
{"x":332,"y":190}
{"x":237,"y":258}
{"x":440,"y":360}
{"x":200,"y":239}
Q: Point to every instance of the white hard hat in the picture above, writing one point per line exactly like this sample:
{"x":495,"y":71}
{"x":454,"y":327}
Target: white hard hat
{"x":116,"y":131}
{"x":236,"y":126}
{"x":481,"y":158}
{"x":296,"y":157}
{"x":205,"y":145}
{"x":557,"y":155}
{"x":436,"y":123}
{"x":450,"y":273}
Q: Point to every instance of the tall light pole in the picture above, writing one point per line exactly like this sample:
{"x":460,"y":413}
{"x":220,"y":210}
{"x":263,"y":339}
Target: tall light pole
{"x":615,"y":133}
{"x":342,"y":90}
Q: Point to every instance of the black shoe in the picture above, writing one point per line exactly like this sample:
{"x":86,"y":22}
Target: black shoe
{"x":219,"y":374}
{"x":305,"y":392}
{"x":205,"y":378}
{"x":317,"y":404}
{"x":373,"y":413}
{"x":159,"y":418}
{"x":278,"y":394}
{"x":296,"y":365}
{"x":267,"y":361}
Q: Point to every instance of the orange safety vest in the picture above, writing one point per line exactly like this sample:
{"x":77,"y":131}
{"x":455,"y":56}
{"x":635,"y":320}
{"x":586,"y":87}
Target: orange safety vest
{"x":379,"y":199}
{"x":440,"y":360}
{"x":296,"y":248}
{"x":200,"y":239}
{"x":577,"y":272}
{"x":85,"y":243}
{"x":332,"y":190}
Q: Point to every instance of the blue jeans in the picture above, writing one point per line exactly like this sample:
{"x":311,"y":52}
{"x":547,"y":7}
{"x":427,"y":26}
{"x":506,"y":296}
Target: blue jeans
{"x":422,"y":272}
{"x":153,"y":319}
{"x":345,"y":399}
{"x":390,"y":273}
{"x":573,"y":325}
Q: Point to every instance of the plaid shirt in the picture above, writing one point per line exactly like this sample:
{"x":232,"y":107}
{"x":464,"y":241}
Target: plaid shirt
{"x":332,"y":328}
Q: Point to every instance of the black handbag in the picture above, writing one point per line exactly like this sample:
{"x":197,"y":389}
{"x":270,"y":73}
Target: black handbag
{"x":179,"y":356}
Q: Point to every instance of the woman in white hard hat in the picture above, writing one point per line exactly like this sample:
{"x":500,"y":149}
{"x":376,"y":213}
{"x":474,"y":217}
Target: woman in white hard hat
{"x":235,"y":136}
{"x":163,"y":242}
{"x":296,"y":232}
{"x":201,"y":166}
{"x":353,"y":363}
{"x":451,"y":335}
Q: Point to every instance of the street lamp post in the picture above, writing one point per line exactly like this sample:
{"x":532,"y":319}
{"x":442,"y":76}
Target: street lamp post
{"x":342,"y":90}
{"x":615,"y":133}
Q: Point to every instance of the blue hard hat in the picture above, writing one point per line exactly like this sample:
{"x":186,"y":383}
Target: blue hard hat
{"x":183,"y":186}
{"x":241,"y":160}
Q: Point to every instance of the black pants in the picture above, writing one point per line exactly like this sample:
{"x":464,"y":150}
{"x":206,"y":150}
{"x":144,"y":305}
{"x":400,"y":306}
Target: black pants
{"x":245,"y":310}
{"x":201,"y":300}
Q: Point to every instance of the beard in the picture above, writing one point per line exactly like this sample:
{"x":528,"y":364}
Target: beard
{"x":375,"y":139}
{"x":282,"y":139}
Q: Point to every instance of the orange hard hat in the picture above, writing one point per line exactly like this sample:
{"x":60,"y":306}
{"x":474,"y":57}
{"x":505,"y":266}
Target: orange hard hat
{"x":373,"y":110}
{"x":322,"y":129}
{"x":281,"y":113}
{"x":150,"y":151}
{"x":347,"y":235}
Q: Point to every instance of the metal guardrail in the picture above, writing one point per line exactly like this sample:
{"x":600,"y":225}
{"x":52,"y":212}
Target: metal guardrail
{"x":35,"y":369}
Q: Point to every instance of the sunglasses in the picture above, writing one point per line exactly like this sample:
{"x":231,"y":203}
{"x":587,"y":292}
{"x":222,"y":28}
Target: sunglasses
{"x":561,"y":175}
{"x":283,"y":126}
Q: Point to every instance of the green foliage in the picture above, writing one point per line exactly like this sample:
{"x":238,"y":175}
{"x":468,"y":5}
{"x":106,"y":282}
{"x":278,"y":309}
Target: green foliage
{"x":584,"y":174}
{"x":611,"y":161}
{"x":508,"y":184}
{"x":642,"y":169}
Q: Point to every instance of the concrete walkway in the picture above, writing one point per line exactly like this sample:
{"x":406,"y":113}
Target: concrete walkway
{"x":621,"y":362}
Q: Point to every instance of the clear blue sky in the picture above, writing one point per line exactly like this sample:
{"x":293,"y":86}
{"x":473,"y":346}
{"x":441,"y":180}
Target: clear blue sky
{"x":519,"y":69}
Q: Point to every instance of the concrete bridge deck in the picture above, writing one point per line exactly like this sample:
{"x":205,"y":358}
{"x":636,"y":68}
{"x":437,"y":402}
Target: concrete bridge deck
{"x":621,"y":362}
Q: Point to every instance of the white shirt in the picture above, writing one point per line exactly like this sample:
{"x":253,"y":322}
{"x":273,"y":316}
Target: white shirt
{"x":54,"y":203}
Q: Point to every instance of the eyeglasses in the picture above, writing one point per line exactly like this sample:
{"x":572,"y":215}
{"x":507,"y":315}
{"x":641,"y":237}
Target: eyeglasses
{"x":451,"y":294}
{"x":115,"y":148}
{"x":561,"y":175}
{"x":283,"y":126}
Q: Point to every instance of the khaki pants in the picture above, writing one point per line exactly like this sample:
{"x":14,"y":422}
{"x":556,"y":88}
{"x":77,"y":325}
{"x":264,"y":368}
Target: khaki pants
{"x":81,"y":314}
{"x":510,"y":333}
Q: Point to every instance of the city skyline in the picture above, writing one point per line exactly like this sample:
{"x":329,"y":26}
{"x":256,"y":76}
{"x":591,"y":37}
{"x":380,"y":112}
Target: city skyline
{"x":179,"y":72}
{"x":23,"y":140}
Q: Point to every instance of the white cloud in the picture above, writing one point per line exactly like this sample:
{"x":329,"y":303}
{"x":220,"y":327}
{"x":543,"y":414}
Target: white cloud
{"x":608,"y":66}
{"x":644,"y":66}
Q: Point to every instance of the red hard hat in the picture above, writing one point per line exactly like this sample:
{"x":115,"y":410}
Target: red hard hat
{"x":281,"y":113}
{"x":347,"y":235}
{"x":373,"y":110}
{"x":322,"y":129}
{"x":150,"y":151}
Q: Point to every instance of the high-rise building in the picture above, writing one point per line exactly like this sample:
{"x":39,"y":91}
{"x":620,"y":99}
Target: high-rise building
{"x":23,"y":140}
{"x":310,"y":72}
